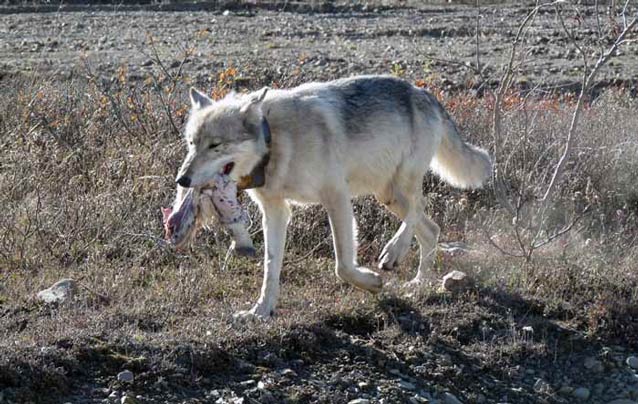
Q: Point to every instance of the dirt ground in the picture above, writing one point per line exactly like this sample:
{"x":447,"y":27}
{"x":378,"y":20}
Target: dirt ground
{"x":266,"y":45}
{"x":329,"y":343}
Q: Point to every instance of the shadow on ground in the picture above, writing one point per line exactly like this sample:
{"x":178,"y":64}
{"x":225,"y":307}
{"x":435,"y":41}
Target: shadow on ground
{"x":485,"y":344}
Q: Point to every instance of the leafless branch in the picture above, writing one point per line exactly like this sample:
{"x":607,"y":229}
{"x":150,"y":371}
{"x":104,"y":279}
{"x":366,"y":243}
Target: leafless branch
{"x":562,"y":231}
{"x":587,"y":82}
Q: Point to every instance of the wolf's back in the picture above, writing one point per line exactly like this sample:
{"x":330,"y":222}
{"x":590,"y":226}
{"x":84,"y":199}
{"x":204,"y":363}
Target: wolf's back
{"x":458,"y":163}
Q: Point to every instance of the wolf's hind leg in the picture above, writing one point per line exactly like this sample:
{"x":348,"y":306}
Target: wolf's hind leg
{"x":339,"y":209}
{"x":402,"y":199}
{"x":427,"y":235}
{"x":426,"y":231}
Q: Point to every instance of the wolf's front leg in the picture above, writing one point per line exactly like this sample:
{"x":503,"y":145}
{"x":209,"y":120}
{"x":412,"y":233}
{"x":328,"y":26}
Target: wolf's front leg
{"x":339,"y":209}
{"x":275,"y":216}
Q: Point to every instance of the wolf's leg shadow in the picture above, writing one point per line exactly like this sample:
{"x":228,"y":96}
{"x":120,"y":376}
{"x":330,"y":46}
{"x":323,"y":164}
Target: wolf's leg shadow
{"x":339,"y":207}
{"x":275,"y":218}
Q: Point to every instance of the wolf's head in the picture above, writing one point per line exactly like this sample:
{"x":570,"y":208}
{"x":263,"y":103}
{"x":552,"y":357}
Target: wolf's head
{"x":223,"y":136}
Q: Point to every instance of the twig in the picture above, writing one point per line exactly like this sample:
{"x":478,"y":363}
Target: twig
{"x":478,"y":34}
{"x":587,"y":81}
{"x":561,"y":231}
{"x":499,"y":248}
{"x":308,"y":254}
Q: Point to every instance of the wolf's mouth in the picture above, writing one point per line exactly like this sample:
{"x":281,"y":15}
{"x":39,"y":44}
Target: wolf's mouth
{"x":228,"y":168}
{"x":182,"y":221}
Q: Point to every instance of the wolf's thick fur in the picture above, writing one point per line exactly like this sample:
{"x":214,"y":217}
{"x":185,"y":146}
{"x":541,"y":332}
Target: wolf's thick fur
{"x":331,"y":141}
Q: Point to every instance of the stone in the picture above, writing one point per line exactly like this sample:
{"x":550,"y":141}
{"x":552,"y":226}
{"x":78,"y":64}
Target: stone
{"x":456,"y":281}
{"x":446,"y":360}
{"x":60,"y":292}
{"x":395,"y":372}
{"x":418,"y":399}
{"x":632,"y":362}
{"x":128,"y":400}
{"x":406,"y":385}
{"x":581,"y":393}
{"x":566,"y":390}
{"x":449,"y":398}
{"x":125,"y":376}
{"x":593,"y":364}
{"x":541,"y":386}
{"x":359,"y":401}
{"x":288,"y":372}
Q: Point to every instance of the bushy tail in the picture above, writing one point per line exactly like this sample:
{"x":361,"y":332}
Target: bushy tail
{"x":458,"y":163}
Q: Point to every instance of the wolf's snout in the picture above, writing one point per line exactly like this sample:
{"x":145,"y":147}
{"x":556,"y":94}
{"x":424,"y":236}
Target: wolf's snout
{"x":184,"y":181}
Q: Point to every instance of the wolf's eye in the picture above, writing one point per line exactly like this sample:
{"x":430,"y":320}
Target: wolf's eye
{"x":213,"y":145}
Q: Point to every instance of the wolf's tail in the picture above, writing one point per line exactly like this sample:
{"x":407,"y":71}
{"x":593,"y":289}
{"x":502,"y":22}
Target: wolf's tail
{"x":458,"y":163}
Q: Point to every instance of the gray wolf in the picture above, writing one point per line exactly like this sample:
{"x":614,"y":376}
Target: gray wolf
{"x":366,"y":135}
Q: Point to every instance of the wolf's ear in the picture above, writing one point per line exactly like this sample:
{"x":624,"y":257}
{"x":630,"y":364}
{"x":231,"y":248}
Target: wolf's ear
{"x":261,"y":95}
{"x":252,"y":110}
{"x":199,"y":100}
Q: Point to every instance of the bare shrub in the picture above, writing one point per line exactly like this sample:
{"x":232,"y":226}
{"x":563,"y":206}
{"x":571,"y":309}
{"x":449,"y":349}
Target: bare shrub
{"x":86,"y":164}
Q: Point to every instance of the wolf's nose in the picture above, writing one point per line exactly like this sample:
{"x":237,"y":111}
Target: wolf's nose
{"x":184,"y":181}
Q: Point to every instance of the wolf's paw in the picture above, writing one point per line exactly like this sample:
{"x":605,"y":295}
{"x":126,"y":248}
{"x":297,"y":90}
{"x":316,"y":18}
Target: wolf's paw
{"x":257,"y":313}
{"x":369,"y":280}
{"x":392,"y":254}
{"x":415,"y":284}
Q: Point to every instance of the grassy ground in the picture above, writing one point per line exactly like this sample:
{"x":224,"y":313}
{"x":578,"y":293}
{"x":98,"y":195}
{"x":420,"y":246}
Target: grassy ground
{"x":86,"y":164}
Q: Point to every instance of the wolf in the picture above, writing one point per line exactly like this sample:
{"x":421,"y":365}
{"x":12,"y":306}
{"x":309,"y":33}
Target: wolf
{"x":325,"y":143}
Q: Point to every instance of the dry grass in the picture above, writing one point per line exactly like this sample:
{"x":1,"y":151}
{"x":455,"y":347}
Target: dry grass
{"x":85,"y":166}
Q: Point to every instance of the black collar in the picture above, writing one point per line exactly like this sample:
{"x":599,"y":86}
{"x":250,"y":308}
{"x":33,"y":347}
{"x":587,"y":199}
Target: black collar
{"x":257,"y":177}
{"x":265,"y":130}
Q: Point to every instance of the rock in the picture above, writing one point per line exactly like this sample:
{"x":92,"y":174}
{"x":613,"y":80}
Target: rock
{"x":395,"y":372}
{"x":446,"y":360}
{"x":594,"y":365}
{"x":456,"y":281}
{"x":449,"y":398}
{"x":125,"y":376}
{"x":363,"y":385}
{"x":632,"y":362}
{"x":541,"y":386}
{"x":566,"y":390}
{"x":59,"y":292}
{"x":359,"y":401}
{"x":289,"y":373}
{"x":406,"y":385}
{"x":418,"y":399}
{"x":128,"y":400}
{"x":581,"y":393}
